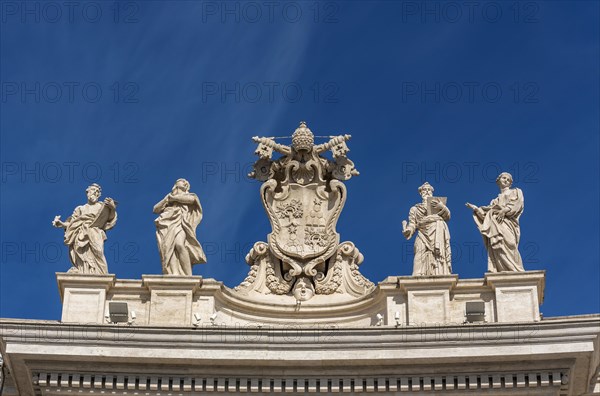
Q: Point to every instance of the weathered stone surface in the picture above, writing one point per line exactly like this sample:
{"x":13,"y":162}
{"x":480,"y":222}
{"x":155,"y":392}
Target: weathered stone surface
{"x":84,"y":296}
{"x":166,"y":300}
{"x":556,"y":356}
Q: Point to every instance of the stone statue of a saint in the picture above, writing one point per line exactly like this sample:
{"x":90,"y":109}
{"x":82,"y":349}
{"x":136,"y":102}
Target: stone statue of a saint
{"x":85,"y":232}
{"x":499,"y":226}
{"x":179,"y":215}
{"x":432,"y":244}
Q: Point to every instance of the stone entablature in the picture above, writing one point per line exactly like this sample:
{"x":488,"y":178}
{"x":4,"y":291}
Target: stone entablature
{"x":557,"y":356}
{"x":397,"y":301}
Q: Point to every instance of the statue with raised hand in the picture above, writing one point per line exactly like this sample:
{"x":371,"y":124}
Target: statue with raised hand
{"x":432,"y":244}
{"x":85,"y":232}
{"x":499,"y":226}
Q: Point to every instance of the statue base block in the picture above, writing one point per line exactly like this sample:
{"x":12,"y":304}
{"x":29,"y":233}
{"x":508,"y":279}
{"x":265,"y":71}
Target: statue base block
{"x":171,"y":298}
{"x":83,"y":296}
{"x":428,"y":298}
{"x":518,"y":295}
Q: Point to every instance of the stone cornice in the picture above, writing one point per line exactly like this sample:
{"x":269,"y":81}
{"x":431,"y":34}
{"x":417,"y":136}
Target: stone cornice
{"x":557,"y":330}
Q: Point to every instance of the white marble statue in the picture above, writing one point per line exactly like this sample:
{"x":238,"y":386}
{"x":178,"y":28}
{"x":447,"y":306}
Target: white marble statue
{"x":85,"y":232}
{"x":179,"y":215}
{"x":499,"y":226}
{"x":432,"y":244}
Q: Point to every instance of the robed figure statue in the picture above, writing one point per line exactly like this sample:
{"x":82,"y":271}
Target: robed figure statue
{"x":432,"y":244}
{"x":499,"y":226}
{"x":179,"y":215}
{"x":85,"y":232}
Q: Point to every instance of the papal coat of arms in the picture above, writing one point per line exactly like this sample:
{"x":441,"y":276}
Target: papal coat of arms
{"x":304,"y":194}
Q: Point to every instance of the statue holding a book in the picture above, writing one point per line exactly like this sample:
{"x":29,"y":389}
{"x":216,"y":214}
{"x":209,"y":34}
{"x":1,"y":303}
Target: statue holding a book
{"x":85,"y":232}
{"x":432,"y":244}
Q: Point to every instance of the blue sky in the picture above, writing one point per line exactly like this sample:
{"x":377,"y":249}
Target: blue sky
{"x":133,"y":95}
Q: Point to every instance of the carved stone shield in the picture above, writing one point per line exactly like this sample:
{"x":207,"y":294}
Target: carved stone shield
{"x":303,"y":220}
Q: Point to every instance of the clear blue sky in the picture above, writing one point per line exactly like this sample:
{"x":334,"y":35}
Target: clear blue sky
{"x":134,"y":95}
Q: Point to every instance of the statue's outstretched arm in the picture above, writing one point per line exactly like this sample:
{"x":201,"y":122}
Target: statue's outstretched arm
{"x":58,"y":223}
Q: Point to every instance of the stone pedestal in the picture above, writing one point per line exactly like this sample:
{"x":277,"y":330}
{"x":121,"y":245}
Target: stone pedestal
{"x":518,"y":295}
{"x":395,"y":302}
{"x":171,"y":298}
{"x":83,"y":296}
{"x":428,"y":298}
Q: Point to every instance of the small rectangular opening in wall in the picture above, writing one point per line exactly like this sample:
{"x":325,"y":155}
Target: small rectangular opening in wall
{"x":410,"y":384}
{"x":443,"y":382}
{"x":538,"y":378}
{"x":237,"y":384}
{"x":272,"y":385}
{"x":352,"y":385}
{"x":475,"y":311}
{"x":479,"y":382}
{"x":148,"y":382}
{"x":328,"y":385}
{"x":295,"y":386}
{"x":137,"y":382}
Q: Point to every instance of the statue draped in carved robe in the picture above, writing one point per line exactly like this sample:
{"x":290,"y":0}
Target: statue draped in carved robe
{"x":85,"y":232}
{"x":180,"y":213}
{"x":432,"y":244}
{"x":499,"y":226}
